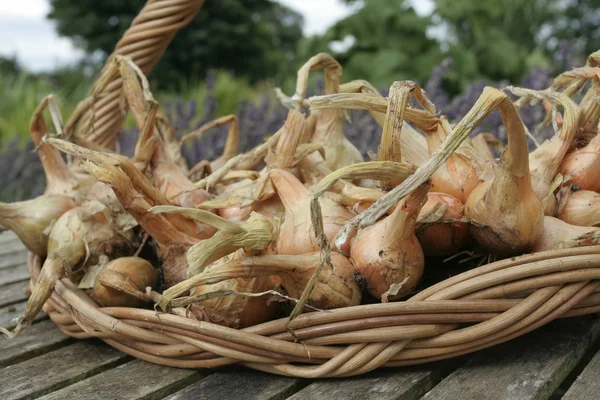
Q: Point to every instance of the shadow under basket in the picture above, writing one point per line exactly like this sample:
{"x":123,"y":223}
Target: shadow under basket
{"x":477,"y":309}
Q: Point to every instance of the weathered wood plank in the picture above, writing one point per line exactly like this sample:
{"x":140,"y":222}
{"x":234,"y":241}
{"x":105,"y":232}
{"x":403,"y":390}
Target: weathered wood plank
{"x":13,"y":293}
{"x":531,"y":367}
{"x":57,"y":369}
{"x":239,"y":384}
{"x":9,"y":314}
{"x":11,"y":248}
{"x":134,"y":380}
{"x":14,"y":258}
{"x":14,"y":273}
{"x":35,"y":340}
{"x":382,"y":384}
{"x":587,"y":384}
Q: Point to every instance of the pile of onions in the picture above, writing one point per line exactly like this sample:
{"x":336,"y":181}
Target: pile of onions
{"x":300,"y":220}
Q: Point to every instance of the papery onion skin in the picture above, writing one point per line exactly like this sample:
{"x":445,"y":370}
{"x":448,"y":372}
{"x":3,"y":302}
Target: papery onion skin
{"x":29,"y":219}
{"x":582,"y":166}
{"x":581,"y":208}
{"x":388,"y":252}
{"x":457,"y":177}
{"x":335,"y":288}
{"x":448,"y":234}
{"x":557,"y":234}
{"x":504,"y":211}
{"x":296,"y":235}
{"x":134,"y":269}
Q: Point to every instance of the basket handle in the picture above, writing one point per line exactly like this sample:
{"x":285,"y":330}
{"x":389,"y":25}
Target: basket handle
{"x":145,"y":42}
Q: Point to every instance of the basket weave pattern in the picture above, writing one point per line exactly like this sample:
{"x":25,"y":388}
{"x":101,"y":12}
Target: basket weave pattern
{"x":468,"y":312}
{"x":145,"y":42}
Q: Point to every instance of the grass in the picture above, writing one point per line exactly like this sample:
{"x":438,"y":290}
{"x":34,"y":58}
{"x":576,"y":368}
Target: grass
{"x":21,"y":95}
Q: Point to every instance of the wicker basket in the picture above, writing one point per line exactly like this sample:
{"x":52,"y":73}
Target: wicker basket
{"x":468,"y":312}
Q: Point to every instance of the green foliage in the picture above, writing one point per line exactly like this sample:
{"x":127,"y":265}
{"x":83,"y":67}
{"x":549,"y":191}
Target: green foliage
{"x":389,"y":42}
{"x":21,"y":94}
{"x":254,"y":38}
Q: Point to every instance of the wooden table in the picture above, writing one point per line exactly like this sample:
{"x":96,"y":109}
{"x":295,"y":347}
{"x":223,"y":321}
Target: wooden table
{"x":559,"y":361}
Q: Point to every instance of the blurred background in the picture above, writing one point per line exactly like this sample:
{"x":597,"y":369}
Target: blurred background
{"x":235,"y":52}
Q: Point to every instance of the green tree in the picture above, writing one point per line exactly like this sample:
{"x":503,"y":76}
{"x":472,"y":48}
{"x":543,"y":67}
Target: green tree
{"x":504,"y":39}
{"x":388,"y":42}
{"x":254,"y":38}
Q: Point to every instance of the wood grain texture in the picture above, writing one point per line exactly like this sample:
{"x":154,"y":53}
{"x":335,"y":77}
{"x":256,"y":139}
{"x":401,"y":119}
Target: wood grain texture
{"x":57,"y":369}
{"x":14,"y":273}
{"x":9,"y":314}
{"x":12,"y":248}
{"x":587,"y":384}
{"x":35,"y":340}
{"x":13,"y":293}
{"x":529,"y":368}
{"x":382,"y":384}
{"x":240,"y":384}
{"x":134,"y":380}
{"x":13,"y":259}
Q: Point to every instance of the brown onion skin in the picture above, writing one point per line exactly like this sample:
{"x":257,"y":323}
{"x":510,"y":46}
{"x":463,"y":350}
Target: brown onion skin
{"x":296,"y":235}
{"x":136,"y":270}
{"x":457,"y":177}
{"x":581,"y":208}
{"x":582,"y":166}
{"x":388,"y":252}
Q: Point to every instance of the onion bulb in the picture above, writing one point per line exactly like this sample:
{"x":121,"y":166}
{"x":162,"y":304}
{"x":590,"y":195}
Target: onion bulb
{"x":77,"y":239}
{"x":30,"y":219}
{"x":335,"y":288}
{"x":387,"y":254}
{"x":295,"y":234}
{"x":441,"y":229}
{"x":581,"y":208}
{"x":458,"y":176}
{"x":557,"y":234}
{"x":237,"y":308}
{"x":545,"y":161}
{"x":504,"y":211}
{"x":132,"y":270}
{"x":582,"y":166}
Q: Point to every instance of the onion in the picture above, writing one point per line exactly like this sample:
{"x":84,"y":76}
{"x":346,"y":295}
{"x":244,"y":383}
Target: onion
{"x":441,"y":229}
{"x":504,"y":211}
{"x":132,"y":270}
{"x":582,"y":166}
{"x":335,"y":288}
{"x":458,"y":176}
{"x":387,"y":254}
{"x":237,"y":308}
{"x":557,"y":234}
{"x":173,"y":243}
{"x":79,"y":237}
{"x":581,"y":208}
{"x":30,"y":219}
{"x":295,"y":233}
{"x":545,"y":161}
{"x":173,"y":183}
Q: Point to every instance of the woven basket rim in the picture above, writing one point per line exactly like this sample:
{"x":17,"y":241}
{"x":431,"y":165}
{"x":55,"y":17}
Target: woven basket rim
{"x":477,"y":309}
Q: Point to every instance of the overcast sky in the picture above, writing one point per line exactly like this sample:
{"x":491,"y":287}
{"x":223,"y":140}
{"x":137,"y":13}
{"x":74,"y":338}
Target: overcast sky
{"x":26,"y":33}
